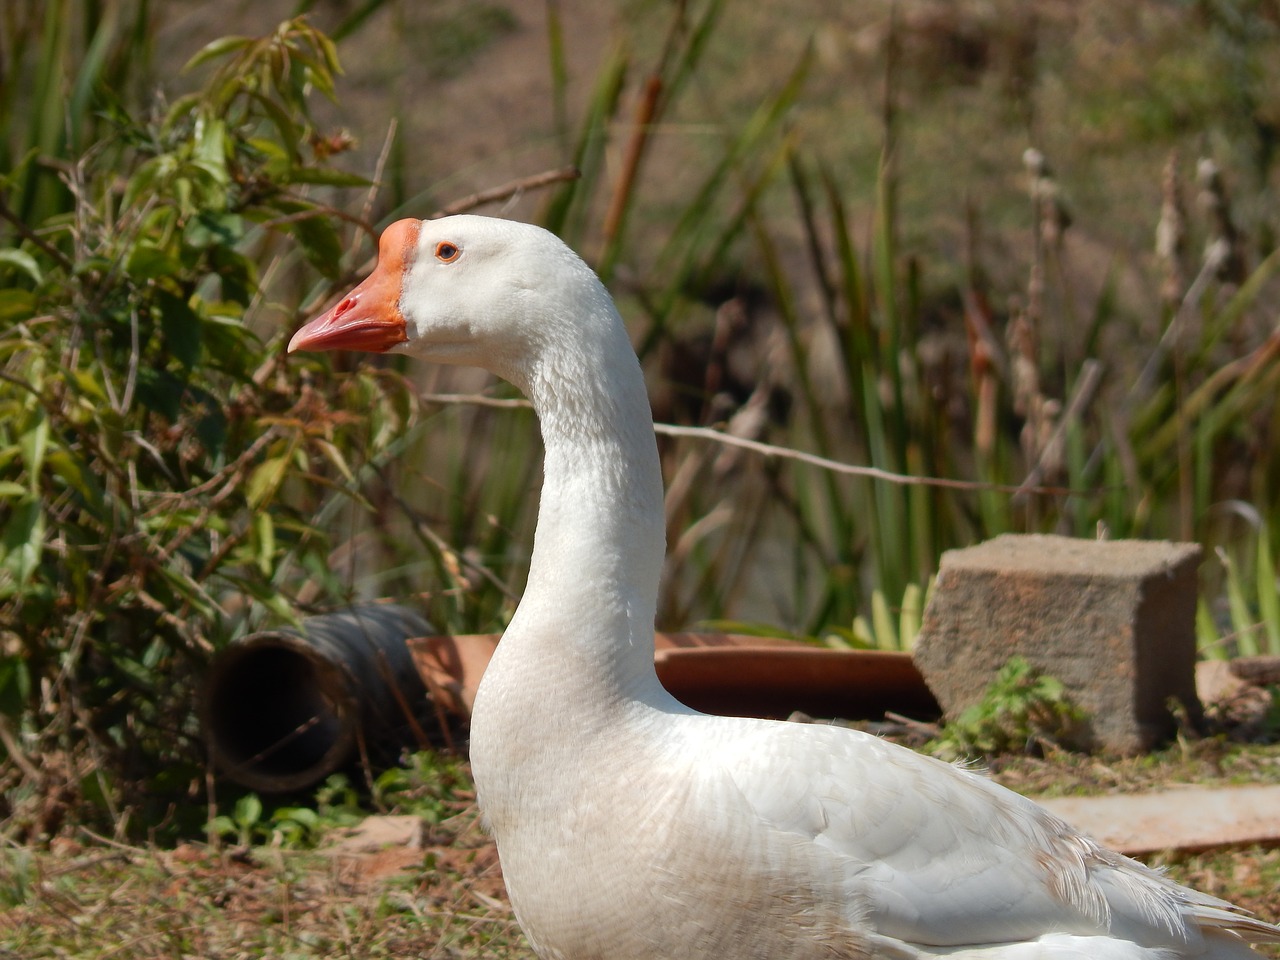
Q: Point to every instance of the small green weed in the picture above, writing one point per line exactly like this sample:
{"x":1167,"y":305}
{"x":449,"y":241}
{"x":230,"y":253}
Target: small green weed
{"x":431,"y":786}
{"x":291,"y":827}
{"x":1021,"y":708}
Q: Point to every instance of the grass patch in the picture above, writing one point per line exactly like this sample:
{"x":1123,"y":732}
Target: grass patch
{"x":96,"y":900}
{"x":92,"y":899}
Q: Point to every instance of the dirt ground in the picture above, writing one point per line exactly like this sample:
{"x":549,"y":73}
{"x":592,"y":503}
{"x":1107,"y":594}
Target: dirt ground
{"x":438,"y":891}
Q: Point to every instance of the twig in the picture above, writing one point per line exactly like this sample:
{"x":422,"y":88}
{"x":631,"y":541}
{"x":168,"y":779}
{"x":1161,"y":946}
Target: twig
{"x":921,"y":726}
{"x":367,"y":210}
{"x":86,"y":863}
{"x":16,"y":755}
{"x":322,"y":211}
{"x":1086,"y":387}
{"x":425,"y":531}
{"x":476,"y":400}
{"x":508,"y":190}
{"x":124,"y":848}
{"x":1180,"y":319}
{"x":230,"y":475}
{"x":281,"y":742}
{"x":769,"y":450}
{"x":45,"y":246}
{"x":835,"y":466}
{"x":135,"y":355}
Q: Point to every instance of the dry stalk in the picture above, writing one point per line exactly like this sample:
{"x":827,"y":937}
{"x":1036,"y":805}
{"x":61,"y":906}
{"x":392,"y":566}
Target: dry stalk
{"x":508,"y":190}
{"x":786,"y":453}
{"x":982,"y":369}
{"x":1171,"y":235}
{"x":1225,"y":247}
{"x":1052,"y":452}
{"x":640,"y":130}
{"x":366,"y":211}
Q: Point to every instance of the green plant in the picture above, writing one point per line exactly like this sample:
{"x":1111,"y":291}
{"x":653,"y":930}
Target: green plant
{"x":151,"y":448}
{"x":291,"y":827}
{"x":244,"y":825}
{"x":1020,"y":709}
{"x":882,"y":631}
{"x":1245,"y":619}
{"x":426,"y":784}
{"x":16,"y":876}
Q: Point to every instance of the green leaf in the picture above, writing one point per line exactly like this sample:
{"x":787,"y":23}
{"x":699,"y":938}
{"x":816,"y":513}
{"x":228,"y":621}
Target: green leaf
{"x":182,"y":327}
{"x":334,"y":455}
{"x":302,"y":815}
{"x":274,"y":601}
{"x":161,"y":391}
{"x":149,"y":262}
{"x":1242,"y":620}
{"x":222,"y":826}
{"x":16,"y":305}
{"x":213,"y":228}
{"x":229,"y":346}
{"x":72,"y":472}
{"x":886,"y":632}
{"x":265,"y":540}
{"x":23,"y":261}
{"x":215,"y":49}
{"x":22,"y":541}
{"x":147,"y":179}
{"x":320,"y":243}
{"x":34,"y":442}
{"x":266,"y":479}
{"x":237,"y":274}
{"x":211,"y":151}
{"x":1268,"y":595}
{"x":248,"y":810}
{"x":912,"y":615}
{"x":182,"y":109}
{"x":289,"y":137}
{"x":15,"y":684}
{"x":1209,"y":645}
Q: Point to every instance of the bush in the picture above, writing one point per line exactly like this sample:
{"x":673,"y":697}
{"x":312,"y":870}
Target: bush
{"x":150,"y":443}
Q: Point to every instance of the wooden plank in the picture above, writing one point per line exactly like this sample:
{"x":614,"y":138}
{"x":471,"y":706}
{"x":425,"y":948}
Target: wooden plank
{"x":1183,"y":818}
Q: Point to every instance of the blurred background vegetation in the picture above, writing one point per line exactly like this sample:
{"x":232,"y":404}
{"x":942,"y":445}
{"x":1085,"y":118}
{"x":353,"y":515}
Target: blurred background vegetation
{"x":1026,"y":248}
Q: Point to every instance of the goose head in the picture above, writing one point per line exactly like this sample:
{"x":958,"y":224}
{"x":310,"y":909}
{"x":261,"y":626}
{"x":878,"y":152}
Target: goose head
{"x":468,"y":290}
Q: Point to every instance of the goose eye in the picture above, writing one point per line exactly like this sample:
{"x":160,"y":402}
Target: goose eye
{"x":447,"y":252}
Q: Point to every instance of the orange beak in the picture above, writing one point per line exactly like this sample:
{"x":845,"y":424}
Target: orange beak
{"x":368,"y":318}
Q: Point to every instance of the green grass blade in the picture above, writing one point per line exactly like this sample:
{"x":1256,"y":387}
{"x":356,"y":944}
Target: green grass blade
{"x":1268,"y":591}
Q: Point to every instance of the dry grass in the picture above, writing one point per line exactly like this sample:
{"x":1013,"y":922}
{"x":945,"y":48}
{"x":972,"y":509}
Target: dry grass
{"x":94,"y":900}
{"x":98,"y":900}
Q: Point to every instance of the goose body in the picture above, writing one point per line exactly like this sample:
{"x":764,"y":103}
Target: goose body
{"x":630,"y":827}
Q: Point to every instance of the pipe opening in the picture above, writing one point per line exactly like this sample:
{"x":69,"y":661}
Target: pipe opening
{"x":282,"y":709}
{"x":279,"y":716}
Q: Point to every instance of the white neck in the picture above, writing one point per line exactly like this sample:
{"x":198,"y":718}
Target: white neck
{"x":583,"y":633}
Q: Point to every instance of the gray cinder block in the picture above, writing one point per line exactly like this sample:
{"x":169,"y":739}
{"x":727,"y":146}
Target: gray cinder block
{"x":1113,"y":620}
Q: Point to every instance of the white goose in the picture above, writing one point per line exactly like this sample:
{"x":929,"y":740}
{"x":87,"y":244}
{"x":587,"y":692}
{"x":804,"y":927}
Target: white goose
{"x":630,"y":827}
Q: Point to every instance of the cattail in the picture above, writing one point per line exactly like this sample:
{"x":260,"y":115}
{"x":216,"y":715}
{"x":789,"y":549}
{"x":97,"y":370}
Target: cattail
{"x":983,"y":361}
{"x":1052,"y":216}
{"x":1024,"y":372}
{"x":1224,"y":250}
{"x":1171,"y":235}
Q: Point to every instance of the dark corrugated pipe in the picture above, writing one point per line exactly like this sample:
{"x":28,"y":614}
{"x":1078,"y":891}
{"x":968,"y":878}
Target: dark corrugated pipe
{"x":283,"y":709}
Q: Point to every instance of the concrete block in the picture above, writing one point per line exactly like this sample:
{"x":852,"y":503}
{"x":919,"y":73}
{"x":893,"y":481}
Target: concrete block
{"x":1113,"y":620}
